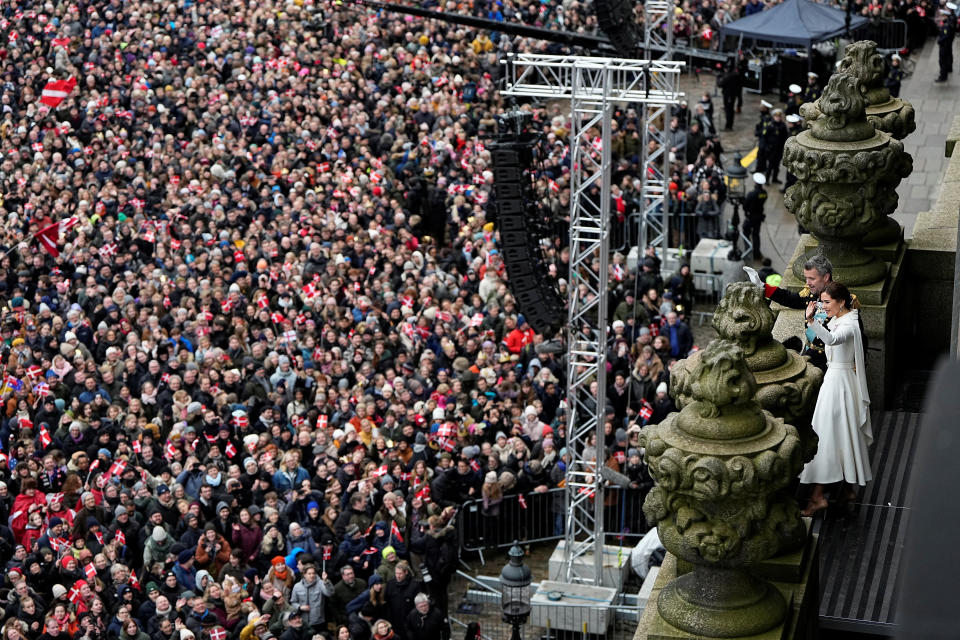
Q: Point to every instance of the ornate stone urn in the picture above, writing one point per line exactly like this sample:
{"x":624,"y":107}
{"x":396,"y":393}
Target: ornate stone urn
{"x":720,"y":465}
{"x":847,"y":175}
{"x":886,"y":113}
{"x":787,"y":384}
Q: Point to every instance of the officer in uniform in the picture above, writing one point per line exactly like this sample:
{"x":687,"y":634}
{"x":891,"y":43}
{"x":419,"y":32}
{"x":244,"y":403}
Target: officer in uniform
{"x":894,"y":77}
{"x":794,"y":100}
{"x":812,"y":91}
{"x":753,"y":215}
{"x":794,"y":126}
{"x":817,"y":272}
{"x":947,"y":29}
{"x":760,"y":131}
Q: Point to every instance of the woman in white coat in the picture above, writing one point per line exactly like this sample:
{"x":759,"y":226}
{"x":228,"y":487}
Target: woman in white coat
{"x":842,"y":416}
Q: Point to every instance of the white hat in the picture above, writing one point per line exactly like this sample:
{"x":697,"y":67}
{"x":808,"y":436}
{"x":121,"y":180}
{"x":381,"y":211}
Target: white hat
{"x":662,"y":387}
{"x":764,"y":103}
{"x":792,"y":118}
{"x":811,"y":74}
{"x":951,"y":6}
{"x":759,"y":178}
{"x":795,"y":88}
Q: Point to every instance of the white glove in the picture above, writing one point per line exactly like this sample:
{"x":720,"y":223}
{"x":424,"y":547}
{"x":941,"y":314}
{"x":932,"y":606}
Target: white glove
{"x":754,"y":277}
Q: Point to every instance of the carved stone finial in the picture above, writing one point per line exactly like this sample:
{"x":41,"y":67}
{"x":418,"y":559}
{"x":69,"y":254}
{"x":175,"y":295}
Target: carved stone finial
{"x":846,"y":180}
{"x":720,"y":465}
{"x":843,"y":115}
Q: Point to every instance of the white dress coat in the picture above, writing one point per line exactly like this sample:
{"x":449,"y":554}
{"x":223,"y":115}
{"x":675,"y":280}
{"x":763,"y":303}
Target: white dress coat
{"x":842,"y":416}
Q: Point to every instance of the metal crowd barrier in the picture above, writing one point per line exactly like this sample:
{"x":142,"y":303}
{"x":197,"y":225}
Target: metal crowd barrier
{"x":543,"y":519}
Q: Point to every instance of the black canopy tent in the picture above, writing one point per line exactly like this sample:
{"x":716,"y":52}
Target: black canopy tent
{"x":795,"y":22}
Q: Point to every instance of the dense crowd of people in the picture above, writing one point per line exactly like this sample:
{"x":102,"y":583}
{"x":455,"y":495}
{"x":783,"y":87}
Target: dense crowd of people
{"x":258,"y":340}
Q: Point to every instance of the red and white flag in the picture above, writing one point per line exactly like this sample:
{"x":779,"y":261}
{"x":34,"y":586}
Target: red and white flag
{"x":133,"y":580}
{"x":169,"y":450}
{"x":120,"y":537}
{"x":108,"y":250}
{"x":218,"y":633}
{"x":521,"y":501}
{"x":395,"y":531}
{"x":74,"y":594}
{"x":90,"y":571}
{"x":49,"y":236}
{"x":137,"y":447}
{"x":45,"y":439}
{"x":321,"y":421}
{"x":117,"y":468}
{"x":230,"y":450}
{"x":56,"y":91}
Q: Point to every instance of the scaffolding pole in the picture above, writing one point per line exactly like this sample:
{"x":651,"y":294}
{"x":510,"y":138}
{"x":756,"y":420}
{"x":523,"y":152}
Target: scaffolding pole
{"x":593,"y":86}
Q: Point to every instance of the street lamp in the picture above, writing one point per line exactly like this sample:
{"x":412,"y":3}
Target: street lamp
{"x":736,"y":191}
{"x":515,"y":591}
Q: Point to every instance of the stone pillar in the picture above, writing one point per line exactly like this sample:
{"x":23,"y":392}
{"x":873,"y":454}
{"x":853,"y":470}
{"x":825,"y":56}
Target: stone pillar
{"x":720,"y":465}
{"x":847,"y":174}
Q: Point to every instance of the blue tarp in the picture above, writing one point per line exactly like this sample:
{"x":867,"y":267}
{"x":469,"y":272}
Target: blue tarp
{"x":796,"y":22}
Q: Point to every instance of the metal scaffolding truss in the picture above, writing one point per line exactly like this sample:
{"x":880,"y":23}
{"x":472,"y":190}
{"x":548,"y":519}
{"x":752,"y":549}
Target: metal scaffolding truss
{"x":658,"y":42}
{"x":594,"y":86}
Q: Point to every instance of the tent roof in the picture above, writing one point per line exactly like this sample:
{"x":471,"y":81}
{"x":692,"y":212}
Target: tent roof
{"x":799,"y":22}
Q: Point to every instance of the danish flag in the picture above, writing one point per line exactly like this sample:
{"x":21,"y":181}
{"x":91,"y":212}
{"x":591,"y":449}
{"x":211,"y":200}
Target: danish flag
{"x":169,"y":450}
{"x":230,"y":450}
{"x":137,"y":447}
{"x":90,"y":571}
{"x":263,"y":302}
{"x":218,"y":633}
{"x":424,"y":494}
{"x":241,"y":421}
{"x":276,"y":317}
{"x":395,"y":531}
{"x":522,"y":501}
{"x":74,"y":595}
{"x":117,"y":468}
{"x":379,"y":472}
{"x":133,"y":580}
{"x":226,"y":305}
{"x":108,"y":250}
{"x":321,"y":421}
{"x":45,"y":438}
{"x":56,"y":91}
{"x":120,"y":537}
{"x":37,"y":146}
{"x":25,"y":422}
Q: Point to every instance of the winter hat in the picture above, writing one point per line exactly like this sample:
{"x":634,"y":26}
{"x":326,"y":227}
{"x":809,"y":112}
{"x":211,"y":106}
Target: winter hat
{"x":59,"y":591}
{"x":632,"y":452}
{"x":387,"y":551}
{"x":158,"y":535}
{"x":491,"y":477}
{"x":662,"y":387}
{"x":387,"y":479}
{"x":313,"y":505}
{"x":55,"y":521}
{"x":185,"y":556}
{"x":374,"y":579}
{"x":120,"y":511}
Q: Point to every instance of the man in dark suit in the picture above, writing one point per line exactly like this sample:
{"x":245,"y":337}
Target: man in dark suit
{"x":947,"y":29}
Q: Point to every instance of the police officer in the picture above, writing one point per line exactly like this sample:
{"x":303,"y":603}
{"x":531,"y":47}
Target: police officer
{"x":794,"y":100}
{"x":753,"y":215}
{"x":894,"y":77}
{"x":812,"y":91}
{"x":947,"y":26}
{"x":760,"y":131}
{"x":775,"y":136}
{"x":794,"y":126}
